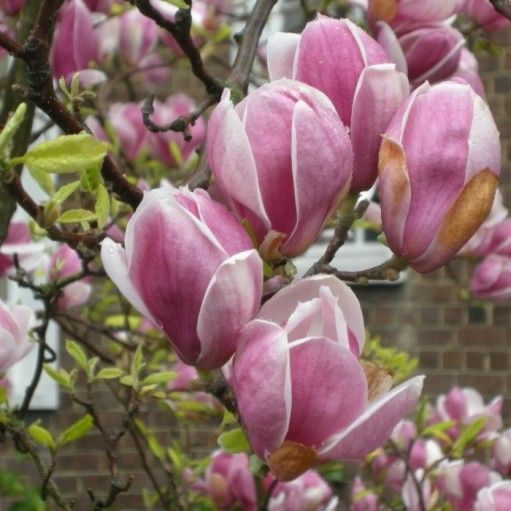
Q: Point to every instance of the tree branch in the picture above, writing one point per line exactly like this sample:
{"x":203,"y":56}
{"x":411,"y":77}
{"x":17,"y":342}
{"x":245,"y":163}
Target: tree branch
{"x":249,"y":40}
{"x":35,"y":53}
{"x":347,"y":217}
{"x":503,"y":7}
{"x":12,"y":184}
{"x":389,"y":270}
{"x":180,"y":31}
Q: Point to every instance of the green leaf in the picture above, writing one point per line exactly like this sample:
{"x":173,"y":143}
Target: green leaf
{"x":137,"y":362}
{"x":10,"y":128}
{"x":257,"y":465}
{"x":128,"y":380}
{"x":233,"y":441}
{"x":44,"y":180}
{"x":468,"y":434}
{"x":163,"y":377}
{"x":155,"y":447}
{"x":102,"y":207}
{"x":65,"y":191}
{"x":77,"y":430}
{"x":120,"y":321}
{"x":109,"y":373}
{"x":41,"y":436}
{"x":61,"y":376}
{"x":76,"y":215}
{"x":90,"y":179}
{"x":438,"y":430}
{"x":78,"y":354}
{"x":67,"y":153}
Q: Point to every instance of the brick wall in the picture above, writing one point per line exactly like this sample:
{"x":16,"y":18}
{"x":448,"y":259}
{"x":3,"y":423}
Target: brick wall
{"x":456,"y":341}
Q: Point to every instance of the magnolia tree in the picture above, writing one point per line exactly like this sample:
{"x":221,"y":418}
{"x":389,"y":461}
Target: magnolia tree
{"x":174,"y":223}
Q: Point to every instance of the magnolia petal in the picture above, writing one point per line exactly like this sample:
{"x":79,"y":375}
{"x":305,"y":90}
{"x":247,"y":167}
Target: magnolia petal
{"x":389,"y":42}
{"x":380,"y":91}
{"x":116,"y":267}
{"x":460,"y":222}
{"x":262,"y":384}
{"x":371,"y":429}
{"x":280,"y":55}
{"x":321,"y":371}
{"x":282,"y":305}
{"x":231,"y":300}
{"x":233,"y":164}
{"x":313,"y":200}
{"x":394,"y":190}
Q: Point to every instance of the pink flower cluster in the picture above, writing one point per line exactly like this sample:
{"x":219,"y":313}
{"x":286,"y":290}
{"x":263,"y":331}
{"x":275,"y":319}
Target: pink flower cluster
{"x":228,"y":482}
{"x":419,"y":465}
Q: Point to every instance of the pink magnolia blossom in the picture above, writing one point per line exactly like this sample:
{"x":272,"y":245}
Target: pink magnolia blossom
{"x":283,"y":158}
{"x":466,"y":405}
{"x":404,"y":15}
{"x":11,"y":7}
{"x":468,"y":70}
{"x":478,"y":245}
{"x":497,"y":497}
{"x":352,"y":69}
{"x":291,"y":375}
{"x":485,"y":15}
{"x":19,"y":242}
{"x":229,"y":482}
{"x":412,"y":499}
{"x":431,"y":52}
{"x":138,"y":36}
{"x":492,"y":278}
{"x":64,"y":263}
{"x":186,"y":376}
{"x":363,"y":499}
{"x":501,"y":453}
{"x":75,"y":44}
{"x":433,"y":201}
{"x":309,"y":492}
{"x":500,"y":242}
{"x":460,"y":482}
{"x":189,"y":267}
{"x":15,"y":322}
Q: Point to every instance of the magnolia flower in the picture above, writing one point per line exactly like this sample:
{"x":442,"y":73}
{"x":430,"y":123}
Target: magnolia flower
{"x":309,"y":492}
{"x":433,"y":201}
{"x":501,"y":451}
{"x":19,"y":242}
{"x":465,"y":405}
{"x":302,"y":393}
{"x":64,"y":263}
{"x":75,"y":45}
{"x":15,"y":323}
{"x":287,"y":179}
{"x":190,"y":268}
{"x":460,"y":482}
{"x":497,"y":497}
{"x":229,"y":482}
{"x":352,"y":69}
{"x":492,"y":278}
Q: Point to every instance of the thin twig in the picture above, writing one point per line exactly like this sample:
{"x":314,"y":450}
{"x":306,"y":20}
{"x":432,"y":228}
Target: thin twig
{"x":389,"y":270}
{"x":347,"y":217}
{"x":249,"y":42}
{"x":503,"y":7}
{"x":179,"y":29}
{"x":181,"y":124}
